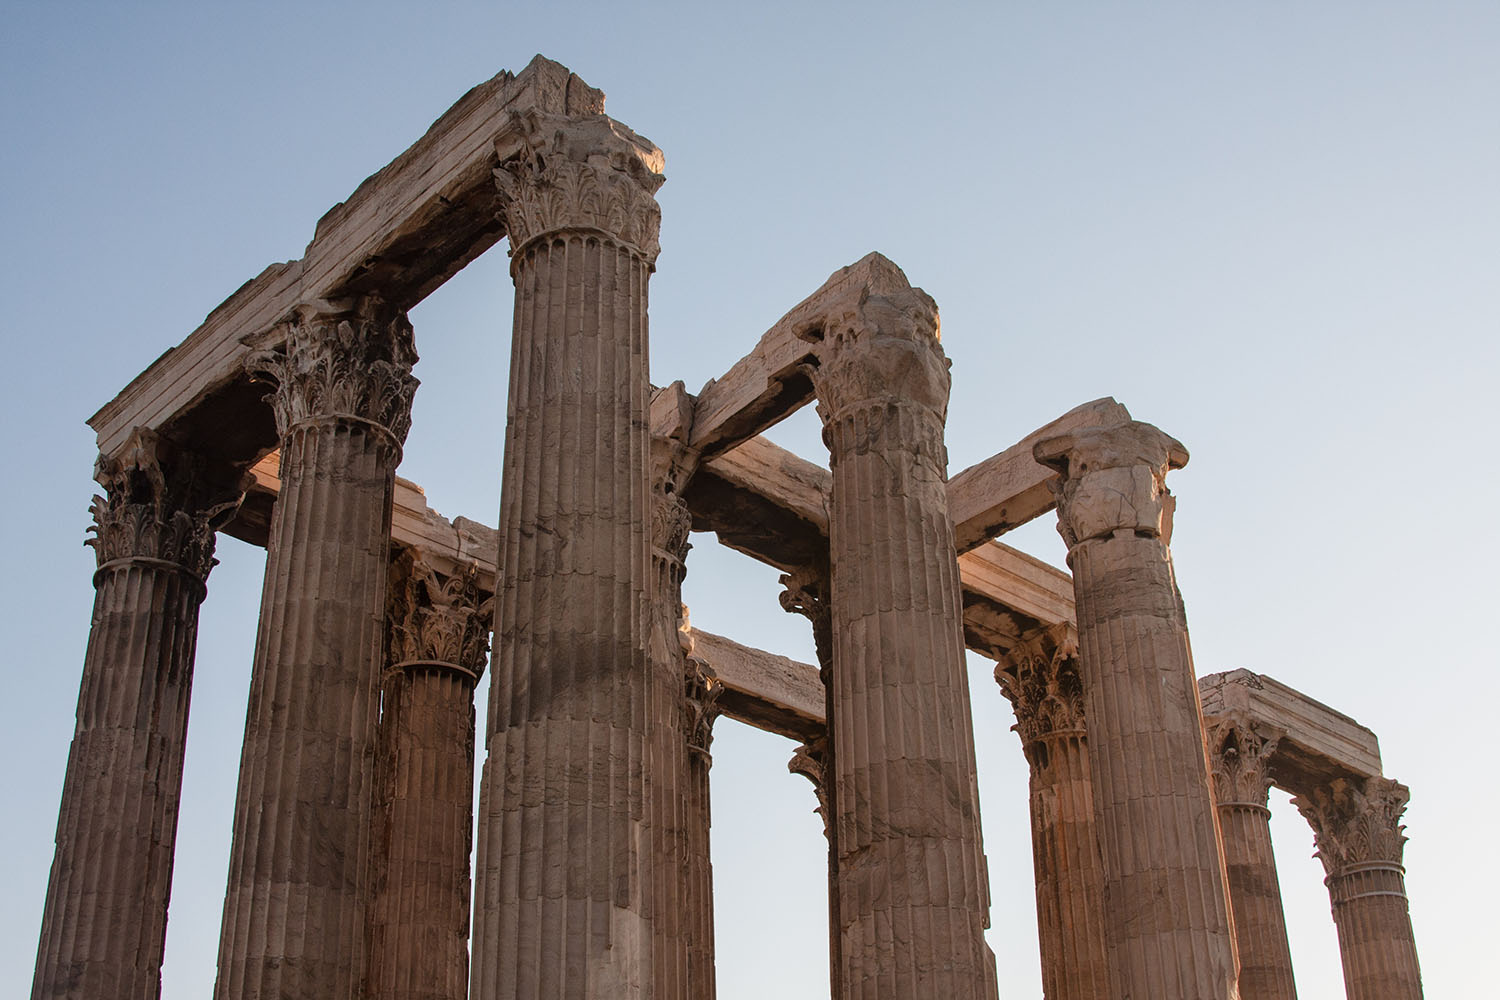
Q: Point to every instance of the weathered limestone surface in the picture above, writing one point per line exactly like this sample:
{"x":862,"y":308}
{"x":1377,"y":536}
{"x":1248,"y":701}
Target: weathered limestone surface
{"x":703,"y":690}
{"x":913,"y":893}
{"x":296,"y":909}
{"x":564,"y":881}
{"x":1239,"y":755}
{"x":438,"y":637}
{"x":1041,"y":679}
{"x":1357,"y":825}
{"x":1167,"y":922}
{"x":105,"y":919}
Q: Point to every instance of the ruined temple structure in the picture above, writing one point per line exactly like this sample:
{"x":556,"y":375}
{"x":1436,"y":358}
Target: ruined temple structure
{"x":281,"y":421}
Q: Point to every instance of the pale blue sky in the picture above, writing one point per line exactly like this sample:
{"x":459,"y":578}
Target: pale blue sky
{"x":1270,"y":229}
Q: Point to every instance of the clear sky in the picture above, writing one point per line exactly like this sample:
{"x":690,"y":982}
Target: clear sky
{"x":1270,"y":229}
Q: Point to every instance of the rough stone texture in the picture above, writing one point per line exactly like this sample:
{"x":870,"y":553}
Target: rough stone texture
{"x":563,"y":879}
{"x":105,"y":919}
{"x":296,"y":909}
{"x":913,"y":894}
{"x":1166,"y":915}
{"x":1041,"y":679}
{"x":438,"y":638}
{"x":1357,"y":825}
{"x":1239,"y":756}
{"x":703,"y":690}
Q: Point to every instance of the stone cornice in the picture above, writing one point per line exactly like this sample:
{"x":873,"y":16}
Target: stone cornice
{"x":1113,"y":479}
{"x":581,"y":174}
{"x":1356,"y":822}
{"x":349,"y":360}
{"x":161,"y":504}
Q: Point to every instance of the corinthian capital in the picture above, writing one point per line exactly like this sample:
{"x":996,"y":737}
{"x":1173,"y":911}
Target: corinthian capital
{"x":1113,"y":479}
{"x":1239,"y":755}
{"x":585,"y":173}
{"x":348,"y":359}
{"x":878,"y":342}
{"x":435,"y":620}
{"x":1356,"y":821}
{"x":160,"y":503}
{"x":1040,"y":677}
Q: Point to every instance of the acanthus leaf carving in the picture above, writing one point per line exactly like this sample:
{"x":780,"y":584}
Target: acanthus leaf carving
{"x":1356,"y":821}
{"x":584,"y":172}
{"x":1040,"y":677}
{"x":161,"y":503}
{"x":438,"y":619}
{"x":702,"y":691}
{"x":1240,"y":752}
{"x":350,"y":359}
{"x":1112,"y":479}
{"x":811,"y":761}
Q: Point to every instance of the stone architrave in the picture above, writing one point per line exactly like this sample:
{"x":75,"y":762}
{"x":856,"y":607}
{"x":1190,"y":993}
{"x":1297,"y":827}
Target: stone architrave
{"x":563,"y":879}
{"x":105,"y":920}
{"x":1358,"y":829}
{"x":296,"y":910}
{"x":1041,"y":678}
{"x":438,"y":639}
{"x":1239,"y":756}
{"x":912,"y":887}
{"x":806,"y":594}
{"x":1167,"y":924}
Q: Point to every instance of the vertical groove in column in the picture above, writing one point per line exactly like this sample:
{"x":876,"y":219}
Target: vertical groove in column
{"x":911,"y":883}
{"x":104,"y":921}
{"x":1041,"y":678}
{"x":438,"y":636}
{"x":1168,"y":929}
{"x":1357,"y":825}
{"x":1239,"y":754}
{"x":297,"y":905}
{"x":564,"y":879}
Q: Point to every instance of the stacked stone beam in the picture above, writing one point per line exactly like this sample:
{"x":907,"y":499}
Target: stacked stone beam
{"x":1360,"y":838}
{"x":438,"y":638}
{"x":1168,"y":929}
{"x":297,"y":906}
{"x":1239,"y":754}
{"x":104,"y":924}
{"x":563,"y":878}
{"x":912,"y":893}
{"x":1041,"y":679}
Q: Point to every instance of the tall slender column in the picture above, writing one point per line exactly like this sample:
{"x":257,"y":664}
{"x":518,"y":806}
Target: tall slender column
{"x":1239,"y":756}
{"x":806,"y":594}
{"x":1357,"y":825}
{"x":1167,"y":924}
{"x":105,"y":920}
{"x":438,"y":637}
{"x":297,"y":905}
{"x":703,"y":690}
{"x":913,"y":899}
{"x":1040,"y":677}
{"x":565,"y":846}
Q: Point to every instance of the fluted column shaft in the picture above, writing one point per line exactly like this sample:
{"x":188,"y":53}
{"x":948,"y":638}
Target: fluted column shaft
{"x":105,"y":920}
{"x":1167,"y":925}
{"x":911,"y":883}
{"x":439,"y":633}
{"x":296,"y":909}
{"x":698,"y":900}
{"x":564,"y":878}
{"x":1239,"y":754}
{"x":1360,"y":842}
{"x":1041,"y":679}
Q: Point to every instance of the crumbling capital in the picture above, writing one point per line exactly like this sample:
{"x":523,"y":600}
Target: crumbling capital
{"x":348,"y":360}
{"x":1356,"y":822}
{"x":1239,"y":756}
{"x":1040,"y":677}
{"x":435,"y":621}
{"x":1113,"y":479}
{"x":585,"y":173}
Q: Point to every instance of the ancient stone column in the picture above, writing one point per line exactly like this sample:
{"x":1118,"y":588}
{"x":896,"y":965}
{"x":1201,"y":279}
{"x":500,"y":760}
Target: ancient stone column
{"x":563,"y":882}
{"x":296,"y":909}
{"x":105,"y":920}
{"x":703,"y":690}
{"x":1167,"y":925}
{"x":912,"y":892}
{"x":1239,"y":756}
{"x":438,"y":637}
{"x":1041,"y":678}
{"x":1357,"y":825}
{"x":806,"y":594}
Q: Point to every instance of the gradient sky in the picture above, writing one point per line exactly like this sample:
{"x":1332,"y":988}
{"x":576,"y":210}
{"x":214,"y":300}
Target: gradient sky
{"x":1270,"y":229}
